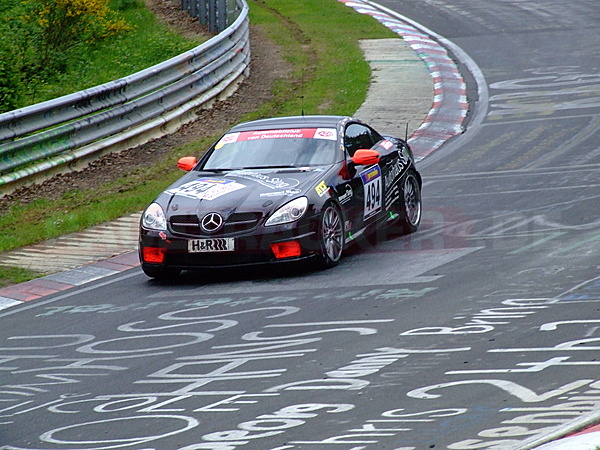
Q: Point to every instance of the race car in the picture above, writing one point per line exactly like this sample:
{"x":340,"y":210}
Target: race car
{"x":281,"y":190}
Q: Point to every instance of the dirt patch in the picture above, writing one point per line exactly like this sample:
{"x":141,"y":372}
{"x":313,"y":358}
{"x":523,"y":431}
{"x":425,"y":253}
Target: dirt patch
{"x":170,"y":13}
{"x":266,"y":66}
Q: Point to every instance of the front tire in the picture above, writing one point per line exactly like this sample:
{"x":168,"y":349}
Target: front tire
{"x":331,"y":237}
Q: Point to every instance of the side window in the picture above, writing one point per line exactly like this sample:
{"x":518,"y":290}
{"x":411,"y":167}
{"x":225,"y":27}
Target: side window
{"x":359,"y":136}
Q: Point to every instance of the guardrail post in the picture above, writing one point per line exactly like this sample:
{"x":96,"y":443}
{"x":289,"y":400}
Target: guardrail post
{"x":193,"y":8}
{"x":203,"y":11}
{"x":221,"y":15}
{"x":217,"y":14}
{"x":212,"y":16}
{"x":232,"y":12}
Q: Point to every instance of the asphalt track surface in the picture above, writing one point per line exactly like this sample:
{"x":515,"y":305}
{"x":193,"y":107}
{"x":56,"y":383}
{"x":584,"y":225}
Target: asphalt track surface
{"x":478,"y":331}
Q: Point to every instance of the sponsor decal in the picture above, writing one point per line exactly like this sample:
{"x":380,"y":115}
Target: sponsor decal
{"x":211,"y":245}
{"x":371,"y":179}
{"x":287,"y":193}
{"x":321,"y":188}
{"x":346,"y":196}
{"x":386,"y":144}
{"x":265,"y":180}
{"x":370,"y":174}
{"x":396,"y":168}
{"x":329,"y":134}
{"x":391,"y":196}
{"x":206,"y":188}
{"x":228,"y":139}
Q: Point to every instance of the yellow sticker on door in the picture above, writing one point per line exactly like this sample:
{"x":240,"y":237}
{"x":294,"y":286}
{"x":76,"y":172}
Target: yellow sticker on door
{"x":321,"y":188}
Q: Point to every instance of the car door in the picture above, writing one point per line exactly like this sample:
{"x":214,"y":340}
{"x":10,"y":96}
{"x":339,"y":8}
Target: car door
{"x":395,"y":161}
{"x":365,"y":185}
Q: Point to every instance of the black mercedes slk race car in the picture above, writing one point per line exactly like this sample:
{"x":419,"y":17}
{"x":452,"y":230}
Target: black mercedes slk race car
{"x":281,"y":190}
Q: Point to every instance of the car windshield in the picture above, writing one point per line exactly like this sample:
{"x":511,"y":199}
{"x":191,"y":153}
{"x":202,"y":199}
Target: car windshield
{"x":273,"y":149}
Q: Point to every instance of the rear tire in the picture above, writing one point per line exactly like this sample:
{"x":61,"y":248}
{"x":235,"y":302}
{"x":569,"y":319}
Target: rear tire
{"x":331,"y":237}
{"x":411,"y":205}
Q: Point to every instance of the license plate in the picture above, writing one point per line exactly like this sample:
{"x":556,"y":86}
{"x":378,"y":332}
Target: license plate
{"x":211,"y":245}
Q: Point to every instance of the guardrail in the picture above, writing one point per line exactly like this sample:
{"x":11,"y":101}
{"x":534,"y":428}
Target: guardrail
{"x":65,"y":133}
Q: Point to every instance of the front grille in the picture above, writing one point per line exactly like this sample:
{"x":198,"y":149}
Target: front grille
{"x":189,"y":225}
{"x":241,"y":222}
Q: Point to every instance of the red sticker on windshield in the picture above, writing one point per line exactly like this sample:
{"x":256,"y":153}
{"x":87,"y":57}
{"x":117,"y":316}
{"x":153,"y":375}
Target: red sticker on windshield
{"x":329,"y":134}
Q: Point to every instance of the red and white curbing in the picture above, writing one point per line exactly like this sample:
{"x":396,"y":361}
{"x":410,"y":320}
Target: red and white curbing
{"x":52,"y":284}
{"x":588,"y":439}
{"x":450,"y":104}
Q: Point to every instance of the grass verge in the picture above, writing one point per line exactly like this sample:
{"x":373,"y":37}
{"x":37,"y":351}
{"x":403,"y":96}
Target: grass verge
{"x":318,"y":38}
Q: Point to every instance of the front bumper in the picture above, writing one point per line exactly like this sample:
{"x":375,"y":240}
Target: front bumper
{"x":250,"y":248}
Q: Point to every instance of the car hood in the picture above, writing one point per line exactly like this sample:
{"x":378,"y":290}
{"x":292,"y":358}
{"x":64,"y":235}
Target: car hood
{"x":240,"y":190}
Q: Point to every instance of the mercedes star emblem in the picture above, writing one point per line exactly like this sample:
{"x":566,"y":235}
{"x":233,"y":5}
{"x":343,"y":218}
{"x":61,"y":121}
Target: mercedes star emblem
{"x":212,"y":222}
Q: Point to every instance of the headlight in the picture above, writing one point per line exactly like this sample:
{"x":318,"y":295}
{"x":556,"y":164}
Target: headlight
{"x":154,"y":218}
{"x":289,"y":212}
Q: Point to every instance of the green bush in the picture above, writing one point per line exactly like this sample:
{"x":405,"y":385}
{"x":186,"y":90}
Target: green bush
{"x":60,"y":25}
{"x":38,"y":37}
{"x":51,"y":48}
{"x":9,"y":84}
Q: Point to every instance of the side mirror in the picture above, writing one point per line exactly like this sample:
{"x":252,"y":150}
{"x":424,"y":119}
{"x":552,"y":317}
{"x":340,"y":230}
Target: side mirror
{"x":365,"y":157}
{"x":187,"y":163}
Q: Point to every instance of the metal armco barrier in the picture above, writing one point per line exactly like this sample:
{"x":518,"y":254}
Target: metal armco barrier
{"x":53,"y":136}
{"x":214,"y":13}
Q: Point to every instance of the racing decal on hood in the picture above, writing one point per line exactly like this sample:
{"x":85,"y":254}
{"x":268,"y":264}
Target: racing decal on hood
{"x":371,"y":179}
{"x":329,"y":134}
{"x":206,"y":188}
{"x":265,"y":180}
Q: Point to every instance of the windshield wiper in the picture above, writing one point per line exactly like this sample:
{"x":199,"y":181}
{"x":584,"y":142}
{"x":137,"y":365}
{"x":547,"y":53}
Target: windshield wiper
{"x":214,"y":170}
{"x":283,"y":166}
